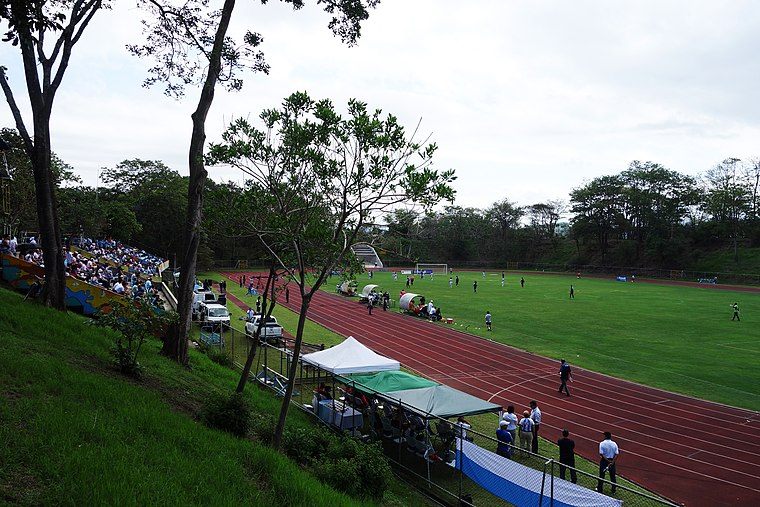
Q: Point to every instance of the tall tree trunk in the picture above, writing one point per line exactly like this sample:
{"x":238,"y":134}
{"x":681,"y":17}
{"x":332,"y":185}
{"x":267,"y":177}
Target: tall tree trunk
{"x":47,"y":217}
{"x":279,"y":430}
{"x":176,"y":347}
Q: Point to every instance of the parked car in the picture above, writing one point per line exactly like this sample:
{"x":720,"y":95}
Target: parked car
{"x":270,"y":333}
{"x":214,"y":314}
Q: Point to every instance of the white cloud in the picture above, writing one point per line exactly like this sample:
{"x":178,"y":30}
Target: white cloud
{"x":525,"y":99}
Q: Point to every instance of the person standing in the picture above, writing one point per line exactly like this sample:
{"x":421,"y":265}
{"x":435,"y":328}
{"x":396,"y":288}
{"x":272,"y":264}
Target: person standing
{"x":475,"y":286}
{"x":565,"y":374}
{"x":369,"y":306}
{"x":567,"y":456}
{"x":522,"y":281}
{"x":504,"y":439}
{"x":411,"y":280}
{"x":535,"y":415}
{"x":456,"y":281}
{"x":451,"y":283}
{"x":735,"y":307}
{"x":287,"y":295}
{"x":572,"y":292}
{"x":488,"y":320}
{"x":484,"y":275}
{"x":511,"y":419}
{"x":608,"y":454}
{"x":250,"y":314}
{"x":526,"y":432}
{"x":502,"y":278}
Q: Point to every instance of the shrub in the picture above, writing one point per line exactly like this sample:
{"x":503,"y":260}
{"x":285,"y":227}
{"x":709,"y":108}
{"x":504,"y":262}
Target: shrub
{"x":133,"y":320}
{"x":227,"y":413}
{"x":262,"y":425}
{"x":373,"y":470}
{"x":219,"y":356}
{"x":304,"y":445}
{"x":341,"y":475}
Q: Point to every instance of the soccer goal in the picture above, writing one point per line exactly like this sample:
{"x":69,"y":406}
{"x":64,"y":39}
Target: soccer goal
{"x":438,"y":269}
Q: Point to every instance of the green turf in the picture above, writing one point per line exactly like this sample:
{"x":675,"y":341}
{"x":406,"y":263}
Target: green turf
{"x":672,"y":337}
{"x":75,"y":432}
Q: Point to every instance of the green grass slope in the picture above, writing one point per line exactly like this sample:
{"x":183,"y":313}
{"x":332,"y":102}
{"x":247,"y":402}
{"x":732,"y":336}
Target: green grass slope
{"x":73,"y":432}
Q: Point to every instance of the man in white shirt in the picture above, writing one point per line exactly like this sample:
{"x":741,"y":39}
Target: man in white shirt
{"x":608,"y":452}
{"x":535,"y":414}
{"x":511,"y":419}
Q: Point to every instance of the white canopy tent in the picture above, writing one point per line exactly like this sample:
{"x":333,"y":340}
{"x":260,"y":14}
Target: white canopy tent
{"x":406,"y":299}
{"x":350,"y":357}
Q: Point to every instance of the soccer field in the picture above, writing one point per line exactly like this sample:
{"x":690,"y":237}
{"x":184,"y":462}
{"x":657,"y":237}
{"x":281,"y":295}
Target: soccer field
{"x":679,"y":338}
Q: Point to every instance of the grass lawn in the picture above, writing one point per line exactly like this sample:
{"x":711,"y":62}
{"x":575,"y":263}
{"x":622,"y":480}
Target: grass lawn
{"x":678,"y":338}
{"x":672,"y":337}
{"x":74,"y":432}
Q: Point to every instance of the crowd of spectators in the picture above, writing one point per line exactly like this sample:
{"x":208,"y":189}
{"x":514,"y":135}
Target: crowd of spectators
{"x":106,"y":263}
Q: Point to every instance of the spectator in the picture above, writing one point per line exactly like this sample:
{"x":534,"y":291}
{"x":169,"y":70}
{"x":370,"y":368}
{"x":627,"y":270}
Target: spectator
{"x":567,"y":456}
{"x":463,"y":426}
{"x":608,"y":453}
{"x":511,"y":419}
{"x":535,"y":414}
{"x":504,"y":438}
{"x":526,"y":432}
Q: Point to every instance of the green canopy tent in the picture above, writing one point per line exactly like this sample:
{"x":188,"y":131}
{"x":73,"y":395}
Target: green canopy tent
{"x":440,"y":401}
{"x":387,"y":381}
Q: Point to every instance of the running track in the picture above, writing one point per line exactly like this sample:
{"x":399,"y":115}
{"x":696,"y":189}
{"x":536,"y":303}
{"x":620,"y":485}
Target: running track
{"x":691,"y":451}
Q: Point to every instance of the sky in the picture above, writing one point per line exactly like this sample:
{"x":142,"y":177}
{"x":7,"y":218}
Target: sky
{"x":526,"y":100}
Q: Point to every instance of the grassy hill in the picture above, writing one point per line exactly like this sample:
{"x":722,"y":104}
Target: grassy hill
{"x":75,"y":432}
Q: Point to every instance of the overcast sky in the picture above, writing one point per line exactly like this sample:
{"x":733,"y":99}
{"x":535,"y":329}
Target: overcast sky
{"x":525,"y":99}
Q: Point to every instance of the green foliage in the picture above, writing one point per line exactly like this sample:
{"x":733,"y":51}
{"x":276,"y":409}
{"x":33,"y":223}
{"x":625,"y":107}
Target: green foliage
{"x":133,"y":320}
{"x":358,"y":469}
{"x":304,"y":445}
{"x":262,"y":425}
{"x":218,"y":355}
{"x":228,"y":413}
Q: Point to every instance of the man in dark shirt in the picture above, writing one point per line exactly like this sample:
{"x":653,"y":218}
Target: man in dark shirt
{"x":565,"y":374}
{"x":567,"y":456}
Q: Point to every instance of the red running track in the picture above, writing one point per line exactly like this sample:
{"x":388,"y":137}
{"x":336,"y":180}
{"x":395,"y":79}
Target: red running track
{"x":694,"y":452}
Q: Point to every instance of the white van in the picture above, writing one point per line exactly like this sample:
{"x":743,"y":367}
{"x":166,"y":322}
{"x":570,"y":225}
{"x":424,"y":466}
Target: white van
{"x":213,"y":313}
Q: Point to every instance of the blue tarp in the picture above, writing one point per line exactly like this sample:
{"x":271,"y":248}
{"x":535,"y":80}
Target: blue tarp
{"x":521,"y":485}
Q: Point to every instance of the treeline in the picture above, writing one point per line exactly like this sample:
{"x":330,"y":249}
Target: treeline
{"x":646,"y":215}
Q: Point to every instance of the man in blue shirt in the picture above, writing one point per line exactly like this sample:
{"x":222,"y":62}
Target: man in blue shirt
{"x":565,"y":374}
{"x":504,"y":438}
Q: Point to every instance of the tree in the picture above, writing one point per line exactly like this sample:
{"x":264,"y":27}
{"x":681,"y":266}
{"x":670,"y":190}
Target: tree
{"x":727,"y":201}
{"x":506,"y":216}
{"x":320,"y":179}
{"x":544,"y":217}
{"x":656,"y":201}
{"x":598,"y":208}
{"x":45,"y":61}
{"x":189,"y":41}
{"x":154,"y":192}
{"x":23,"y":198}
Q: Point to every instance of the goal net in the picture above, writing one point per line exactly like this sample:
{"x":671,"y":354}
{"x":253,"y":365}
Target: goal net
{"x":438,"y":269}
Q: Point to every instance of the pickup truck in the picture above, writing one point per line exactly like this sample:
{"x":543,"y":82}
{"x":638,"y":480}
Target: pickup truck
{"x":271,"y":332}
{"x":214,"y":314}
